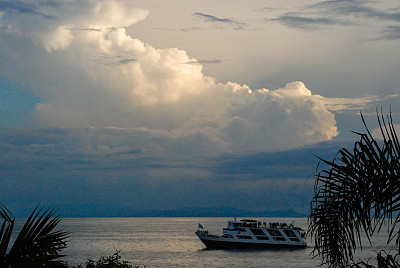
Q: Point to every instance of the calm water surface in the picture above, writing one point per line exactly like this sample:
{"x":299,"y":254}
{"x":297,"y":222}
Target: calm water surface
{"x":171,"y":242}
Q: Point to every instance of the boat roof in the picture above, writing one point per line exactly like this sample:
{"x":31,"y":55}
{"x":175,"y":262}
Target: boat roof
{"x":243,"y":221}
{"x":248,"y":220}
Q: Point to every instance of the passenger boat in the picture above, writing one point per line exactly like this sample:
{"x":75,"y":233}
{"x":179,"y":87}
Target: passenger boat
{"x":249,"y":233}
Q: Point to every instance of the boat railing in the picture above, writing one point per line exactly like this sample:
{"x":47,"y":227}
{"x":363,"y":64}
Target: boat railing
{"x":205,"y":232}
{"x":201,"y":231}
{"x":272,"y":225}
{"x":277,"y":225}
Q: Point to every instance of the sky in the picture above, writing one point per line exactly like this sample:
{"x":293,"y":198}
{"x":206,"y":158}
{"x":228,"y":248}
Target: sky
{"x":109,"y":106}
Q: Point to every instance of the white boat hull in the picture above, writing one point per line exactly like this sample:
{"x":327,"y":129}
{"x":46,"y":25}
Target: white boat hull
{"x":252,"y":234}
{"x":218,"y":242}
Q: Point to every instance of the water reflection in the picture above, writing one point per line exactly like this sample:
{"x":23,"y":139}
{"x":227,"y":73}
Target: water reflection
{"x":171,"y":242}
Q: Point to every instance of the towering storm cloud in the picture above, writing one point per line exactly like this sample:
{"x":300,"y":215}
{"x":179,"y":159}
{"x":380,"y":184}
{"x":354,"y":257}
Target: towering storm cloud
{"x":94,"y":74}
{"x":109,"y":105}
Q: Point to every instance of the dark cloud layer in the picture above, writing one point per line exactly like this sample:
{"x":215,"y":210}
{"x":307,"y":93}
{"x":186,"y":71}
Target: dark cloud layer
{"x":28,"y":8}
{"x":391,"y":33}
{"x":357,"y":9}
{"x":73,"y":169}
{"x":210,"y":18}
{"x":330,"y":13}
{"x":293,"y":21}
{"x":205,"y":61}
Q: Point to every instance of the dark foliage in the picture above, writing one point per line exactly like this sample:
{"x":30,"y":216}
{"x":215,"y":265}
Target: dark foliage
{"x":113,"y":261}
{"x":37,"y":244}
{"x":383,"y":260}
{"x":355,"y":195}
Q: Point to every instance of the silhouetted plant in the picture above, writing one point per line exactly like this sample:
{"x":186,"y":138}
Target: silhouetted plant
{"x":383,"y":260}
{"x":37,"y":244}
{"x":113,"y":261}
{"x":355,"y":195}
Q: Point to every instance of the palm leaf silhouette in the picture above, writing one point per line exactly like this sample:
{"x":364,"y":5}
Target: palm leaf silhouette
{"x":37,"y":244}
{"x":358,"y":193}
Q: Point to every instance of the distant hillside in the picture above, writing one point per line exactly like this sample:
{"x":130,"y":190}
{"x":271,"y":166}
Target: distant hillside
{"x":87,"y":211}
{"x":208,"y":212}
{"x":216,"y":212}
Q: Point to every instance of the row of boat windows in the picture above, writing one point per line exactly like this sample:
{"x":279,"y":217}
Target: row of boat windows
{"x":272,"y":232}
{"x":266,"y":238}
{"x":257,"y":224}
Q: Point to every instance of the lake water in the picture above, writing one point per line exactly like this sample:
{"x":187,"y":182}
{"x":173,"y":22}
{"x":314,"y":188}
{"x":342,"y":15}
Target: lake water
{"x":171,"y":242}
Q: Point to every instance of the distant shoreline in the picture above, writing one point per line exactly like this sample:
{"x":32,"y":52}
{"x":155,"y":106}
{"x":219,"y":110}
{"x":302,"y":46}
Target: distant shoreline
{"x":183,"y":212}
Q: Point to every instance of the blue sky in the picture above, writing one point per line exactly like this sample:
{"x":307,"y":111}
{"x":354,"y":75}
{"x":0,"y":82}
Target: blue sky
{"x":170,"y":104}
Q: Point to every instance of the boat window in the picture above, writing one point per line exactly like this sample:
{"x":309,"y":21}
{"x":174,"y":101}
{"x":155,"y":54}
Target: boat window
{"x":227,"y":236}
{"x":279,"y":238}
{"x":244,"y":237}
{"x":257,"y":231}
{"x":273,"y":232}
{"x":295,"y":239}
{"x":262,"y":238}
{"x":289,"y":233}
{"x":240,"y":229}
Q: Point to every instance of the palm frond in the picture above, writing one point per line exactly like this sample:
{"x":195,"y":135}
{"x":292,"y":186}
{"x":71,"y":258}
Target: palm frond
{"x":37,"y":244}
{"x":358,"y":193}
{"x":5,"y":232}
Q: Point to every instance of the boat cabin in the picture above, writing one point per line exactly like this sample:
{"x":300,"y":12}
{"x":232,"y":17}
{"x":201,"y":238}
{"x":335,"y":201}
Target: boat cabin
{"x":238,"y":225}
{"x":252,"y":233}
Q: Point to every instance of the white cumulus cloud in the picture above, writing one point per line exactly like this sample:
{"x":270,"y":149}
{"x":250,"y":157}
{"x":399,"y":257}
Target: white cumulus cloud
{"x":280,"y":119}
{"x":97,"y":75}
